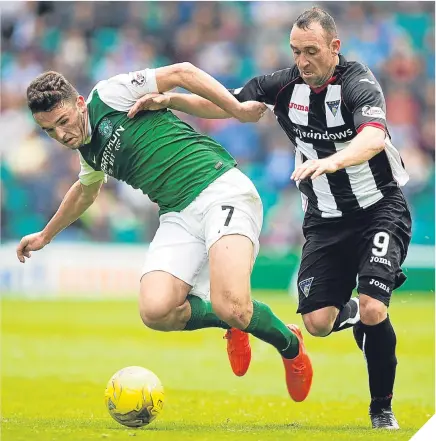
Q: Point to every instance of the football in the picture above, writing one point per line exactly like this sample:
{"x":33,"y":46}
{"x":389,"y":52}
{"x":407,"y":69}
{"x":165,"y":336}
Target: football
{"x":134,"y":396}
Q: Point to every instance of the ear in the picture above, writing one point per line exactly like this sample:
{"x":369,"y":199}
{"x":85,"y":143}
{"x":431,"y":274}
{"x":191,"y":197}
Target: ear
{"x":335,"y":46}
{"x":81,"y":103}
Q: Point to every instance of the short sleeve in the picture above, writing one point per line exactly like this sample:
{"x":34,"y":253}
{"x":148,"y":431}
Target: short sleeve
{"x":88,"y":175}
{"x":264,"y":88}
{"x":364,"y":98}
{"x":122,"y":91}
{"x":140,"y":82}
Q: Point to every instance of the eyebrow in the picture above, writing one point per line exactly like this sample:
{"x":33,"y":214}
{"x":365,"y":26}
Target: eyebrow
{"x":60,"y":118}
{"x":305,"y":47}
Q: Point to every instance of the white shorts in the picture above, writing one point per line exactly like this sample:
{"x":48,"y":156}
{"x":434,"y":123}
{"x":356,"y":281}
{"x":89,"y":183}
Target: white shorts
{"x":229,"y":205}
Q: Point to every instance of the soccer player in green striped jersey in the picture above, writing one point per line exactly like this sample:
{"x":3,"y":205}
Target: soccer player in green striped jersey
{"x":197,"y":270}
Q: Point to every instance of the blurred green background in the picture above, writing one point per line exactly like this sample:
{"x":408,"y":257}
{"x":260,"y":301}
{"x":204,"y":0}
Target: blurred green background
{"x":233,"y":41}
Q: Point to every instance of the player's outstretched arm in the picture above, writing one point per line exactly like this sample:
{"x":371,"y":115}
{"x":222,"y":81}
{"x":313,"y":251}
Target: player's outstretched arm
{"x":203,"y":108}
{"x":200,"y":83}
{"x":77,"y":200}
{"x":193,"y":105}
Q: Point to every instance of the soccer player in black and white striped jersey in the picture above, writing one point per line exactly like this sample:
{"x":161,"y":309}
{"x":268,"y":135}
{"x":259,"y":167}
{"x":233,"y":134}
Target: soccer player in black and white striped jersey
{"x":357,"y":223}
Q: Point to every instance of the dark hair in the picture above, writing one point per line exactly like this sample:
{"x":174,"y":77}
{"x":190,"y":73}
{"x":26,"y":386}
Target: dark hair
{"x":48,"y":91}
{"x":317,"y":15}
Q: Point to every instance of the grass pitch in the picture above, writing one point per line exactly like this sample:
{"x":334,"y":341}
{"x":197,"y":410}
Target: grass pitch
{"x":57,"y":357}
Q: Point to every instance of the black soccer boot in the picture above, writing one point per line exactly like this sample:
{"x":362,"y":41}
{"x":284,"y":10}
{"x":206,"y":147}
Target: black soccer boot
{"x":385,"y":419}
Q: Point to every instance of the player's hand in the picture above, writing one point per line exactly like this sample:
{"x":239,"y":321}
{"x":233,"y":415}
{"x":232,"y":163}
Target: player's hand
{"x":250,"y":111}
{"x":31,"y":242}
{"x":150,"y":101}
{"x":314,"y":168}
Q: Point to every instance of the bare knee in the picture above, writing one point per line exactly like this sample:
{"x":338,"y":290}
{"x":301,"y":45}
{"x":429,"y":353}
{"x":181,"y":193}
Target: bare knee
{"x":372,"y":311}
{"x":162,"y":301}
{"x":235,"y":312}
{"x":160,"y":313}
{"x":157,"y":317}
{"x":320,"y":323}
{"x":317,"y":328}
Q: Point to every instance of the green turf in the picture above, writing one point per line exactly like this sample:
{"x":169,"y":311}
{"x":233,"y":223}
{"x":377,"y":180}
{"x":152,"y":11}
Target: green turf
{"x":58,"y":356}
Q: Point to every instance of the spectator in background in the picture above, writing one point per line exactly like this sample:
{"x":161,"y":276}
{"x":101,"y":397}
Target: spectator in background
{"x":233,"y":41}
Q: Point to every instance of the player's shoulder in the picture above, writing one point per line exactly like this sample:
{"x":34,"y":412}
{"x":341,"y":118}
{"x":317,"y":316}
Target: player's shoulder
{"x":107,"y":84}
{"x":356,"y":68}
{"x":94,"y":91}
{"x":355,"y":72}
{"x":279,"y":81}
{"x":286,"y":75}
{"x":113,"y":94}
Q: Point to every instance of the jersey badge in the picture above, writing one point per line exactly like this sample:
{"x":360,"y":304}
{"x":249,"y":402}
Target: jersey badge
{"x":105,"y":128}
{"x":334,"y":106}
{"x":373,"y":112}
{"x":138,"y":79}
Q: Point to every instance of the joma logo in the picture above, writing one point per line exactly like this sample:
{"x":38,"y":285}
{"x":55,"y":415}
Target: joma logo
{"x":299,"y":107}
{"x":380,"y":260}
{"x":379,"y":284}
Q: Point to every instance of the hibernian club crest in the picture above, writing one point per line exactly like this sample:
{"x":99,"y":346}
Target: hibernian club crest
{"x":105,"y":128}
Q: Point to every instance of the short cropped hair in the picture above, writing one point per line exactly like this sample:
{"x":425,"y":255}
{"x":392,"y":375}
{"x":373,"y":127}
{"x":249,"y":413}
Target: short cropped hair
{"x":317,"y":15}
{"x":48,"y":91}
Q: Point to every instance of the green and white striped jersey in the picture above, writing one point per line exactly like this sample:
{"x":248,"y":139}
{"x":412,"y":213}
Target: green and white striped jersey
{"x":154,"y":151}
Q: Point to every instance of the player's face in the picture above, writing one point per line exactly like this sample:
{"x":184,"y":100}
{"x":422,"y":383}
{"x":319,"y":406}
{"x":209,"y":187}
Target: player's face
{"x":67,"y":124}
{"x":314,"y":55}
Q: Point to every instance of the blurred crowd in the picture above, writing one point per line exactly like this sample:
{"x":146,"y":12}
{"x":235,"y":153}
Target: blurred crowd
{"x":233,"y":41}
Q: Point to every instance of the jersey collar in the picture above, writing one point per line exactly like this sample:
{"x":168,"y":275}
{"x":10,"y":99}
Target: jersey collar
{"x":321,"y":88}
{"x":338,"y":69}
{"x":342,"y":64}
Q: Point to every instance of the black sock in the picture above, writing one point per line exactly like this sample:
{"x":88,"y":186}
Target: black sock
{"x":379,"y":349}
{"x":359,"y":334}
{"x":348,"y":316}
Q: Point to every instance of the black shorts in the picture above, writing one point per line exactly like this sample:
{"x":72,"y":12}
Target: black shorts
{"x":367,"y":248}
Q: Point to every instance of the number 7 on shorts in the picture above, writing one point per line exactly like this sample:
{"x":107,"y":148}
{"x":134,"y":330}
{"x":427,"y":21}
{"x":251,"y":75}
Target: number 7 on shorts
{"x":229,"y":216}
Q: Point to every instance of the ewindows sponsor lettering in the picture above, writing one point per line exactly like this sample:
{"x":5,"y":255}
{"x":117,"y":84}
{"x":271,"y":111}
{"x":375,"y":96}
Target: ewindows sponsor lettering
{"x":112,"y":146}
{"x":325,"y":136}
{"x":380,"y":260}
{"x":379,"y":285}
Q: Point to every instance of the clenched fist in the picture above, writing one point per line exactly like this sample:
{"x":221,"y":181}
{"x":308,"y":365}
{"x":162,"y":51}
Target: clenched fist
{"x":250,"y":111}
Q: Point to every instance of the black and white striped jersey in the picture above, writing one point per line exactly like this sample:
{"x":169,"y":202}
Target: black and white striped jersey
{"x":323,"y":121}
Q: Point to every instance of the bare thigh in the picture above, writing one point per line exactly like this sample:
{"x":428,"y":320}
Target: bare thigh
{"x":175,"y":259}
